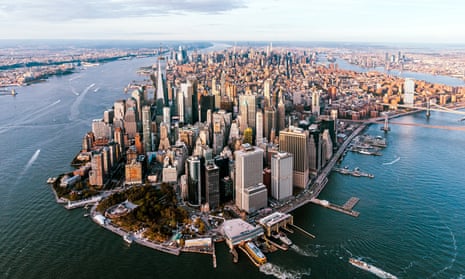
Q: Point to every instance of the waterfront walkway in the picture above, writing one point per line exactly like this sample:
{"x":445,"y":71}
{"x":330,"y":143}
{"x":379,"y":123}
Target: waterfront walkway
{"x":320,"y":182}
{"x":82,"y":203}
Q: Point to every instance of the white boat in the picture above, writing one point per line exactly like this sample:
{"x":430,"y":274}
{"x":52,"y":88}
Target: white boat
{"x":371,"y":268}
{"x":282,"y":237}
{"x":128,"y":238}
{"x":51,"y":180}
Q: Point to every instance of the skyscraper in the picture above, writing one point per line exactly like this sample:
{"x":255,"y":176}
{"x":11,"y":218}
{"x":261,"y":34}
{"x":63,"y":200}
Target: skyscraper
{"x":248,"y":174}
{"x":212,"y":184}
{"x":119,"y":112}
{"x":316,"y":103}
{"x":96,"y":173}
{"x":247,"y":110}
{"x":259,"y":127}
{"x":161,"y":85}
{"x":192,"y":80}
{"x":147,"y":128}
{"x":281,"y":114}
{"x":295,"y":141}
{"x":281,"y":175}
{"x":409,"y":91}
{"x":194,"y":180}
{"x":269,"y":122}
{"x":315,"y":151}
{"x":266,"y":92}
{"x":130,"y":123}
{"x":180,"y":105}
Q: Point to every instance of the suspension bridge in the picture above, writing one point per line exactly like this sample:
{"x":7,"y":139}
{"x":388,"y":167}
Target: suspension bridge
{"x":428,"y":107}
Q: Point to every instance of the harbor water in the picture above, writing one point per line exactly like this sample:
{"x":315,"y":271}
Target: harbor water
{"x":411,"y":214}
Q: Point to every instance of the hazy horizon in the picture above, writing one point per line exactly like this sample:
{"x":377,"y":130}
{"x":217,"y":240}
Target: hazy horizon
{"x":354,"y":21}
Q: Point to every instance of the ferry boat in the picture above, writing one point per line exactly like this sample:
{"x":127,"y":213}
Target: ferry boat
{"x":255,"y":253}
{"x":371,"y":268}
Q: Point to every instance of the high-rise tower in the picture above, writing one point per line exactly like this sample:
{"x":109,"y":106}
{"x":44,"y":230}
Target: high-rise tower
{"x":249,"y":179}
{"x":295,"y":141}
{"x":281,"y":113}
{"x":316,"y":103}
{"x":147,"y":128}
{"x":409,"y":91}
{"x":161,"y":85}
{"x":281,"y":175}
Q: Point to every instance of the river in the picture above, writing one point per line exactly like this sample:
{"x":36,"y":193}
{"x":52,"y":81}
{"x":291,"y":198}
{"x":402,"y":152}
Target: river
{"x":411,"y":214}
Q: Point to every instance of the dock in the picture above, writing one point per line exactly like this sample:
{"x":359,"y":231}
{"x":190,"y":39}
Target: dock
{"x":346,"y":208}
{"x":350,"y":203}
{"x":303,"y":231}
{"x":235,"y":255}
{"x":82,"y":203}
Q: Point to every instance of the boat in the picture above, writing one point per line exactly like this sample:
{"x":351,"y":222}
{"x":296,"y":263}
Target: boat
{"x":284,"y":239}
{"x":255,"y":253}
{"x":128,"y":238}
{"x":371,"y":268}
{"x":281,"y":237}
{"x":51,"y":180}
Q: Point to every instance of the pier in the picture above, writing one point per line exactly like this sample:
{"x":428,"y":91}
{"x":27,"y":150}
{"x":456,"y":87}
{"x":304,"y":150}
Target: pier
{"x":314,"y":190}
{"x":303,"y":231}
{"x":82,"y":203}
{"x":346,"y":208}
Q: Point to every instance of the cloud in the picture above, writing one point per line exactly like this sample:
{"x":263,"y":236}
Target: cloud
{"x":59,"y":10}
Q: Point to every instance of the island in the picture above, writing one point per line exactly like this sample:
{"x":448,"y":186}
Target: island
{"x":223,"y":146}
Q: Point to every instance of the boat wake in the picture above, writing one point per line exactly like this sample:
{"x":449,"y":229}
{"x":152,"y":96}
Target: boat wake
{"x":74,"y":110}
{"x":393,"y":162}
{"x":303,"y":252}
{"x":32,"y":160}
{"x":282,"y":273}
{"x":454,"y":258}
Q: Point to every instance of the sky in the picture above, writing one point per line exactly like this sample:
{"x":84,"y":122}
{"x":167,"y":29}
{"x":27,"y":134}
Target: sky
{"x":391,"y":21}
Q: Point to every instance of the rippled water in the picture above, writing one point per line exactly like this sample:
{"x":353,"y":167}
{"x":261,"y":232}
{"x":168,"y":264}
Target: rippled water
{"x":411,"y":222}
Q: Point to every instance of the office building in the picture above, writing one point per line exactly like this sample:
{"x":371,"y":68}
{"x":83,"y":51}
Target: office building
{"x":101,"y":129}
{"x":133,"y":172}
{"x":147,"y":129}
{"x":194,"y":180}
{"x":259,"y":127}
{"x":281,"y":175}
{"x":248,"y":173}
{"x":269,"y":122}
{"x":409,"y":91}
{"x":295,"y":141}
{"x":316,"y":103}
{"x":161,"y":85}
{"x":212,"y":184}
{"x":96,"y":174}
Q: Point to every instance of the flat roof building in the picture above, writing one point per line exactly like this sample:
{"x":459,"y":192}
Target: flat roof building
{"x":237,"y":230}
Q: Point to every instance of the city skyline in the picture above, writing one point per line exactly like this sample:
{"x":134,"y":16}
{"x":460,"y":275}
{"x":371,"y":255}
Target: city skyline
{"x":411,"y":21}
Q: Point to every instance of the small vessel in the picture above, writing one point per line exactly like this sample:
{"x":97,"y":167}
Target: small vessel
{"x":86,"y":214}
{"x":128,"y":238}
{"x":371,"y":268}
{"x":51,"y":180}
{"x":284,"y":239}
